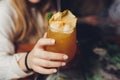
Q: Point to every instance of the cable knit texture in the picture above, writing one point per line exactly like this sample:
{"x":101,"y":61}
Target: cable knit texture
{"x":9,"y":68}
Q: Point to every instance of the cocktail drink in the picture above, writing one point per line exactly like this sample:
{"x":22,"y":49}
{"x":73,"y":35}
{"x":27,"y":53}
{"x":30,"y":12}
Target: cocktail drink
{"x":65,"y":42}
{"x":62,"y":29}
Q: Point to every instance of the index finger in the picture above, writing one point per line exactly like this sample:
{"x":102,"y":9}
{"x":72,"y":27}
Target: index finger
{"x":44,"y":42}
{"x":52,"y":56}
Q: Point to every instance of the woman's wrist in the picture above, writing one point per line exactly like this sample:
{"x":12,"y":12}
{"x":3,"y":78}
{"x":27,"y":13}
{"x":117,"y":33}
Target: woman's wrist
{"x":21,"y":63}
{"x":26,"y":62}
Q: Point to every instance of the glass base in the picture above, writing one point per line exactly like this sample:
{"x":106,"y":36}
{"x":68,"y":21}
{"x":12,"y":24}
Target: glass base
{"x":57,"y":76}
{"x":64,"y":75}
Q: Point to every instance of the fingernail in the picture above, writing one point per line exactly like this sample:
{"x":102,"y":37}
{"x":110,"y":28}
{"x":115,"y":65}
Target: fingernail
{"x":65,"y":57}
{"x":52,"y":41}
{"x":55,"y":70}
{"x":63,"y":64}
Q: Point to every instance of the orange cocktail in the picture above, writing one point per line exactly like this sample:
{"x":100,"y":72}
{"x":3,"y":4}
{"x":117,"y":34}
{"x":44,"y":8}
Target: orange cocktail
{"x":65,"y":43}
{"x":64,"y":34}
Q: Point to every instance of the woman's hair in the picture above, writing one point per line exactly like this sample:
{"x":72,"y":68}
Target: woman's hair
{"x":25,"y":23}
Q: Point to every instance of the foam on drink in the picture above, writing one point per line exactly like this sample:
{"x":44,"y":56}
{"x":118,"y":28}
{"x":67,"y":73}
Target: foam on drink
{"x":63,"y":22}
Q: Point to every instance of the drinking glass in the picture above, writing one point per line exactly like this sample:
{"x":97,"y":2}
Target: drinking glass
{"x":65,"y":42}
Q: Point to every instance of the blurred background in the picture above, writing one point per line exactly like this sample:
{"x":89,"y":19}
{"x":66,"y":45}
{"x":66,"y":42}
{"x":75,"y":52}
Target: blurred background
{"x":98,"y":36}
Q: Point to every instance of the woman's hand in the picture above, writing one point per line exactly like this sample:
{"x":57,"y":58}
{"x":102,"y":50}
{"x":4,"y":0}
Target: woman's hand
{"x":42,"y":61}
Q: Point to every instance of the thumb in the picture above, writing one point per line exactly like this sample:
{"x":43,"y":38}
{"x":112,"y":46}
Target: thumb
{"x":45,"y":35}
{"x":44,"y":42}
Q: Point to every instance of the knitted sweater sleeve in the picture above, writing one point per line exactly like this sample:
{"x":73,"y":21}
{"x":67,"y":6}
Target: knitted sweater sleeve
{"x":9,"y":68}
